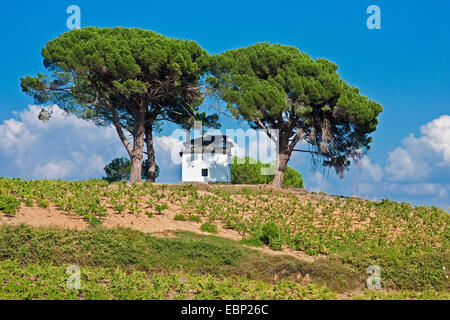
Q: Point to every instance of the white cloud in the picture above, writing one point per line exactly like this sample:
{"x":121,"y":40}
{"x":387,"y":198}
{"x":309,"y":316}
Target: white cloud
{"x":317,"y":182}
{"x":69,"y":148}
{"x":422,"y":157}
{"x":64,"y":147}
{"x":14,"y":136}
{"x":417,"y":172}
{"x":53,"y":169}
{"x":366,"y":168}
{"x":419,"y":189}
{"x":167,"y":150}
{"x":410,"y":162}
{"x":436,"y":134}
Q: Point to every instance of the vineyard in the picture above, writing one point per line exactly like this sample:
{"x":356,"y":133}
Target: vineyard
{"x":311,"y":246}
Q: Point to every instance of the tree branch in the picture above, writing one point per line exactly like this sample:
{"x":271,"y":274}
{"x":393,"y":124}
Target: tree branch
{"x":118,"y":126}
{"x":259,"y":122}
{"x":306,"y":151}
{"x":226,"y":114}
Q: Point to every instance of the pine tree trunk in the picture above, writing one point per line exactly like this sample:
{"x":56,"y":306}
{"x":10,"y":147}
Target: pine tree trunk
{"x":137,"y":155}
{"x":136,"y":168}
{"x":150,"y":153}
{"x":283,"y":159}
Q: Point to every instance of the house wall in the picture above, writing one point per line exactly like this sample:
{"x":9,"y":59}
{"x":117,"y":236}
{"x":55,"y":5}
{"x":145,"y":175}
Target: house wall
{"x":218,"y":166}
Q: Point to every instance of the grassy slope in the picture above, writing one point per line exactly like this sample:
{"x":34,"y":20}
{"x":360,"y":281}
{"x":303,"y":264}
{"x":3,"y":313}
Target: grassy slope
{"x":410,"y":245}
{"x":128,"y":264}
{"x":123,"y":263}
{"x":46,"y":281}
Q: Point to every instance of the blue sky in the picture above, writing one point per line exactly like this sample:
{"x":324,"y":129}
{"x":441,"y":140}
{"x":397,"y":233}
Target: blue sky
{"x":405,"y":66}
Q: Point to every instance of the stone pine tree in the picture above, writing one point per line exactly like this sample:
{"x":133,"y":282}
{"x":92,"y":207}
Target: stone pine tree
{"x":130,"y":78}
{"x":278,"y":87}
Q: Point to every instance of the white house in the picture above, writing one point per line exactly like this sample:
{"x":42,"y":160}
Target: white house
{"x":207,"y":159}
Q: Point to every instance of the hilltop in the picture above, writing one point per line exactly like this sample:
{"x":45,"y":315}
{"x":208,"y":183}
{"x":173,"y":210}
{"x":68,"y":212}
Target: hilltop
{"x":277,"y":240}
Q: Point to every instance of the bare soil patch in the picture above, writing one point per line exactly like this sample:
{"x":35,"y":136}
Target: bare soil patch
{"x":162,"y":225}
{"x":44,"y":217}
{"x":158,"y":224}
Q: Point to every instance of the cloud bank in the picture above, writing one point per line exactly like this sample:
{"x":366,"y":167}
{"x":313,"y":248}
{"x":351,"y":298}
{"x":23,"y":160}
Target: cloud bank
{"x":66,"y":147}
{"x":418,"y":171}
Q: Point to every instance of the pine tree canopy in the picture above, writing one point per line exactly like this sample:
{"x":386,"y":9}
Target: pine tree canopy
{"x":92,"y":70}
{"x":274,"y":86}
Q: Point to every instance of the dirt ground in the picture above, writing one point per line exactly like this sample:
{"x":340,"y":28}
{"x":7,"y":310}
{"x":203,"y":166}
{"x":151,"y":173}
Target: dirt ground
{"x":159,"y":225}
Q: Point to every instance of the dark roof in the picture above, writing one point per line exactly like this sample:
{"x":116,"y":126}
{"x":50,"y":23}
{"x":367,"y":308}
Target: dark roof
{"x":208,"y":144}
{"x":208,"y":140}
